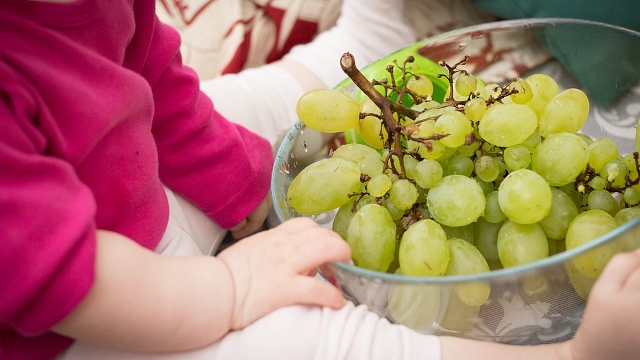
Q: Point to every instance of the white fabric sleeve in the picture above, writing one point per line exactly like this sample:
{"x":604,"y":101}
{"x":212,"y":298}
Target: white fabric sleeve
{"x":368,"y":29}
{"x":308,"y":332}
{"x":263,"y":99}
{"x":298,"y":333}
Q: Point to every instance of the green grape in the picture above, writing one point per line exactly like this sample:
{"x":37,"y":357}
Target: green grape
{"x":520,"y":244}
{"x":502,"y":166}
{"x":456,"y":200}
{"x":587,"y":139}
{"x":615,"y":173}
{"x":345,"y":213}
{"x":461,"y":232}
{"x":629,"y":162}
{"x":553,"y":246}
{"x":629,"y":240}
{"x":421,"y":85}
{"x":424,"y":249}
{"x":448,"y":153}
{"x":575,"y":195}
{"x":486,"y":237}
{"x":601,"y":152}
{"x":627,"y":214}
{"x":532,"y":141}
{"x":394,"y":267}
{"x":460,"y":165}
{"x":507,"y":124}
{"x":490,"y":148}
{"x":566,"y":112}
{"x":469,"y":150}
{"x":524,"y":197}
{"x":396,"y":214}
{"x":524,"y":94}
{"x":560,"y":158}
{"x":427,"y":173}
{"x":534,"y":283}
{"x":366,"y":158}
{"x":586,"y":227}
{"x":465,"y":84}
{"x":422,"y":195}
{"x":631,"y":196}
{"x":379,"y":185}
{"x":581,"y":283}
{"x":517,"y":157}
{"x":563,"y":211}
{"x":323,"y":186}
{"x":492,"y":211}
{"x":544,"y":88}
{"x":403,"y":194}
{"x":487,"y":187}
{"x":425,"y":105}
{"x":601,"y":200}
{"x":597,"y":183}
{"x":370,"y":127}
{"x":492,"y":90}
{"x":458,"y":316}
{"x":456,"y":126}
{"x":426,"y":129}
{"x":434,"y":150}
{"x":616,"y":207}
{"x":486,"y":168}
{"x":342,"y":219}
{"x":475,"y":108}
{"x":393,"y":177}
{"x":465,"y":259}
{"x":328,"y":110}
{"x":416,"y":306}
{"x":410,"y":165}
{"x":372,"y":238}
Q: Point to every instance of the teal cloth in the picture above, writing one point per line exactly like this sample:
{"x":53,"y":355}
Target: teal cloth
{"x":625,"y":13}
{"x":606,"y":62}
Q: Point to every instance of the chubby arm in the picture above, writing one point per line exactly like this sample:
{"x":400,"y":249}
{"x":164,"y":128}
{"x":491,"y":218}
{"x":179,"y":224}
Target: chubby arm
{"x":144,"y":301}
{"x":141,"y":300}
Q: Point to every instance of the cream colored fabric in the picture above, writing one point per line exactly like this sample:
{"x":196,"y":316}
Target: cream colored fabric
{"x":214,"y":30}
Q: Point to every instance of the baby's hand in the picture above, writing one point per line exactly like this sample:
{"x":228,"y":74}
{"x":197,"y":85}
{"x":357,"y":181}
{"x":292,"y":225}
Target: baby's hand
{"x":253,"y":221}
{"x":276,"y":268}
{"x":609,"y":329}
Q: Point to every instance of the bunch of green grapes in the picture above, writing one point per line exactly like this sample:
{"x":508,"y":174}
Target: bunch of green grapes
{"x":491,"y":176}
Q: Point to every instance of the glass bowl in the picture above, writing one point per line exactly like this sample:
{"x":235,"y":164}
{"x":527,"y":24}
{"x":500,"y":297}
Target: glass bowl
{"x":540,"y":302}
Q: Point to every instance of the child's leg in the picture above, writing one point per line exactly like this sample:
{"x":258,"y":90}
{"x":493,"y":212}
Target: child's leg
{"x":189,"y":231}
{"x":299,"y":333}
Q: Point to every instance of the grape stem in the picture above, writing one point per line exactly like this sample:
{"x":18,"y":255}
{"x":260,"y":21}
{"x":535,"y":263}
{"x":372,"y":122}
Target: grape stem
{"x":387,"y":107}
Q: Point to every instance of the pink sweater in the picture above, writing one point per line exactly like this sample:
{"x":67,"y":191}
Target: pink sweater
{"x":96,"y":111}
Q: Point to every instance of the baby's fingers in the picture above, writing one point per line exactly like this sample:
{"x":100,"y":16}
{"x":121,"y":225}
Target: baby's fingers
{"x":297,"y":224}
{"x":320,"y":247}
{"x":313,"y":291}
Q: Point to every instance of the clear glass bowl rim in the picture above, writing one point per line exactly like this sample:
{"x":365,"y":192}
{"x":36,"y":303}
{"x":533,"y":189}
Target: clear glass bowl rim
{"x":505,"y":273}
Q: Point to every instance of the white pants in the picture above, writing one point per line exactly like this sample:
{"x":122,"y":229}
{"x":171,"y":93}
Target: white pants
{"x":293,"y":332}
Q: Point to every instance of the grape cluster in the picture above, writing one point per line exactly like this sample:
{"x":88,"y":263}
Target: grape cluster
{"x":490,"y":176}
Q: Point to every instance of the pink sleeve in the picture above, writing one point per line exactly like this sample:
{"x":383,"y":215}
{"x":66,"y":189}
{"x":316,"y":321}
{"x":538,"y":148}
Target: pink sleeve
{"x":46,"y":221}
{"x":220,"y":166}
